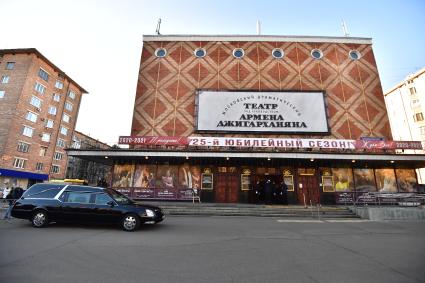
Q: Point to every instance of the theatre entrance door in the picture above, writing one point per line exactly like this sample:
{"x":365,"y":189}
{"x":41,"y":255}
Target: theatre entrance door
{"x":227,"y":187}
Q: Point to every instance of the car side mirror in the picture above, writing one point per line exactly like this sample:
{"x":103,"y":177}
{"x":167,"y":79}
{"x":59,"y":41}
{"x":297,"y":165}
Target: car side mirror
{"x":110,"y":203}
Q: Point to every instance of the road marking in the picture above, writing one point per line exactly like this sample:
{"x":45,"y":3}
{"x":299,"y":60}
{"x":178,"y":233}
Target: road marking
{"x":347,"y":220}
{"x":299,"y":221}
{"x":322,"y":221}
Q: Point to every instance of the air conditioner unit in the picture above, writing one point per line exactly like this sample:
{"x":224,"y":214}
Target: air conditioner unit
{"x":37,"y":109}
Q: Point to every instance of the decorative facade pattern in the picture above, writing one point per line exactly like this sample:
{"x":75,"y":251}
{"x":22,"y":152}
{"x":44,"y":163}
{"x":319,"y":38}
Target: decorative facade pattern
{"x":166,"y":89}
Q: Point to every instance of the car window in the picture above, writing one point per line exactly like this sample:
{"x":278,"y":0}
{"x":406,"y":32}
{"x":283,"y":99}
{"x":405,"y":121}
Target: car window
{"x":77,"y":197}
{"x":43,"y":191}
{"x":118,"y":197}
{"x":102,"y":199}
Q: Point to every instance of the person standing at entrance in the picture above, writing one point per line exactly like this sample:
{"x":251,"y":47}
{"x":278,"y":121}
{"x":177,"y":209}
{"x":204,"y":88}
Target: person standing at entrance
{"x":284,"y":193}
{"x":268,"y":187}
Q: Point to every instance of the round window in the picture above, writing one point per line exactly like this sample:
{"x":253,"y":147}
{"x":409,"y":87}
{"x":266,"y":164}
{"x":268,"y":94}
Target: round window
{"x":160,"y":52}
{"x":200,"y":52}
{"x":316,"y":54}
{"x":354,"y":55}
{"x":238,"y":53}
{"x":278,"y":53}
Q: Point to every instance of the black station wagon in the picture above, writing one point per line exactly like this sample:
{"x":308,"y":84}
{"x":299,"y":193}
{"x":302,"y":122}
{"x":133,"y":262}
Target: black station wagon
{"x":60,"y":202}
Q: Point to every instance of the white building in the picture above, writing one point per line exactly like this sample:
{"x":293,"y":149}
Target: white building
{"x":406,"y":107}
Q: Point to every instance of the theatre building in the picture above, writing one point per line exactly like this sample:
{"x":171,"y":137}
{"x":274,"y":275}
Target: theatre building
{"x":232,"y":118}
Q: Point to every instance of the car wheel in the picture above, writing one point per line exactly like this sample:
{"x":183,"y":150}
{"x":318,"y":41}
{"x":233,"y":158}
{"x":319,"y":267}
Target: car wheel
{"x":130,"y":222}
{"x":40,"y":219}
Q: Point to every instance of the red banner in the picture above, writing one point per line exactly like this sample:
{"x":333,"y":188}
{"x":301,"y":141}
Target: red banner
{"x":388,"y":145}
{"x":151,"y":140}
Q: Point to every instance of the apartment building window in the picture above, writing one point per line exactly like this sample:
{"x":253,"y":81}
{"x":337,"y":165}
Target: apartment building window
{"x":58,"y":156}
{"x":19,"y":163}
{"x":55,"y":169}
{"x":52,"y":110}
{"x":60,"y":143}
{"x":5,"y":79}
{"x":422,"y":130}
{"x":71,"y":94}
{"x":27,"y":131}
{"x":10,"y":65}
{"x":23,"y":147}
{"x":49,"y":123}
{"x":2,"y":93}
{"x":43,"y":151}
{"x":68,"y":106}
{"x":66,"y":118}
{"x":31,"y":117}
{"x":412,"y":90}
{"x":418,"y":117}
{"x":39,"y":166}
{"x":43,"y":74}
{"x":35,"y":101}
{"x":39,"y":88}
{"x":45,"y":137}
{"x":59,"y":85}
{"x":64,"y":131}
{"x":56,"y":97}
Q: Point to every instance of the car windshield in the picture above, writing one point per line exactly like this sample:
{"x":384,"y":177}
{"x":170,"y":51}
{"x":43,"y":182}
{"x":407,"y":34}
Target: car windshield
{"x":119,"y":197}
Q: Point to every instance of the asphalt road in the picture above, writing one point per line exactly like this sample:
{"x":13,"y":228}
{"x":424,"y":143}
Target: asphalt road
{"x":215,"y":249}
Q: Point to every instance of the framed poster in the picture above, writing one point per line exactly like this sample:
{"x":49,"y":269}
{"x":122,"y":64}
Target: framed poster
{"x":289,"y":181}
{"x":245,"y":182}
{"x":328,"y":184}
{"x":207,"y":181}
{"x":385,"y":179}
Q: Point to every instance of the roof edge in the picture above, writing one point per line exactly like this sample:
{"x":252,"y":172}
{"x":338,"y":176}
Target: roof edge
{"x":38,"y":53}
{"x":278,"y":38}
{"x":411,"y":76}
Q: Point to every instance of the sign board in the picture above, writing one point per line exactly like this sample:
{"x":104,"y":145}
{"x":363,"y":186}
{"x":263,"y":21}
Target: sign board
{"x":247,"y":111}
{"x":268,"y":142}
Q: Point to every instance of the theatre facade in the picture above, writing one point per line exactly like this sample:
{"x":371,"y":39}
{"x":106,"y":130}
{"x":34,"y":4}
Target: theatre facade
{"x":232,"y":118}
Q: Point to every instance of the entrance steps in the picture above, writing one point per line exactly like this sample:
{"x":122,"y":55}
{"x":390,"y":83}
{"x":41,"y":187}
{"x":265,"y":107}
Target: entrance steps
{"x":281,"y":211}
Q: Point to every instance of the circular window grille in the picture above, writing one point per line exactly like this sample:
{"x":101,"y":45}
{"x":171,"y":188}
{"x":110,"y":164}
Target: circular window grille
{"x":354,"y":55}
{"x":160,"y":52}
{"x":278,"y":53}
{"x":316,"y":54}
{"x":238,"y":53}
{"x":200,"y":52}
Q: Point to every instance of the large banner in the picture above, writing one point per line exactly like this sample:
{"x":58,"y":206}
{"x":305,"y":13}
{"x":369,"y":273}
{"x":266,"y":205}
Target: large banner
{"x":285,"y":112}
{"x":269,"y":142}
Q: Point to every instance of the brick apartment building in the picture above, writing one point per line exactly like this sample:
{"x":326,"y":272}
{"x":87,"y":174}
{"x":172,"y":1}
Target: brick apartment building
{"x":39,"y":107}
{"x":233,"y":115}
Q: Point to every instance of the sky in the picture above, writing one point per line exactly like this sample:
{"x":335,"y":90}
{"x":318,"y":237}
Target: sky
{"x":99,"y":43}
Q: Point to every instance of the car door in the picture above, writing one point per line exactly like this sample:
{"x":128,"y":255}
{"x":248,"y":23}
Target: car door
{"x":106,"y":209}
{"x":77,"y":207}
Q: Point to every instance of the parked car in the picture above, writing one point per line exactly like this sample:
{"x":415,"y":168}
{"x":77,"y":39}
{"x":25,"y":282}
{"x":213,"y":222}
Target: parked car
{"x":60,"y":202}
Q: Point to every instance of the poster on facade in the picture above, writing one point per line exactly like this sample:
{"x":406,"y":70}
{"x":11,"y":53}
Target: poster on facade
{"x":189,"y":176}
{"x":246,"y":111}
{"x":289,"y":182}
{"x":143,"y":193}
{"x":207,"y":181}
{"x":167,"y":177}
{"x":123,"y":176}
{"x":144,"y":176}
{"x":365,"y":180}
{"x":406,"y":180}
{"x":385,"y":180}
{"x":125,"y":191}
{"x":245,"y":182}
{"x":343,"y":179}
{"x":328,"y":184}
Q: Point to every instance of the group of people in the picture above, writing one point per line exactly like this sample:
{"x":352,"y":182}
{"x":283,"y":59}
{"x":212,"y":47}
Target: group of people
{"x":269,"y":192}
{"x":11,"y":195}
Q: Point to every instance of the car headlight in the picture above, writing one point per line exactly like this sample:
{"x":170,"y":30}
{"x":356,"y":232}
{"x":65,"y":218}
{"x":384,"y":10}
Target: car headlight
{"x":150,"y":213}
